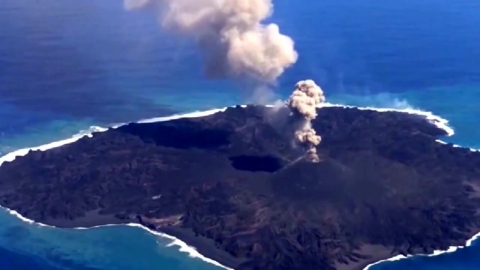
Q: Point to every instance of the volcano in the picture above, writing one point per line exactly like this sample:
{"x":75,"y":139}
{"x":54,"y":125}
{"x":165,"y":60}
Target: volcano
{"x":234,"y":185}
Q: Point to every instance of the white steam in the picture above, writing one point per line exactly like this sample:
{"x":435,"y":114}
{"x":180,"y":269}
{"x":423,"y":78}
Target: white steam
{"x":303,"y":103}
{"x":230,"y":35}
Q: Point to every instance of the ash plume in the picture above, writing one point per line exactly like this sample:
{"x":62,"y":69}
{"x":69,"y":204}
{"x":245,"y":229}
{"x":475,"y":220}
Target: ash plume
{"x":302,"y":104}
{"x":230,"y":34}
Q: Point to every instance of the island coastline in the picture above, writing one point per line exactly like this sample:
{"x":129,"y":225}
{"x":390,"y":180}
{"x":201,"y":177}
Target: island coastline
{"x":196,"y":252}
{"x":439,"y":122}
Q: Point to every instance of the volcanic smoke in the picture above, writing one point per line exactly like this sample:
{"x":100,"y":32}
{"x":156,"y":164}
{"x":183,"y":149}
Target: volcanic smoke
{"x":302,"y":104}
{"x":230,"y":35}
{"x":236,"y":44}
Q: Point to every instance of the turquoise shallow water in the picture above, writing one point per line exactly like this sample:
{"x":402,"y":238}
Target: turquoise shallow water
{"x":68,"y":65}
{"x":26,"y":246}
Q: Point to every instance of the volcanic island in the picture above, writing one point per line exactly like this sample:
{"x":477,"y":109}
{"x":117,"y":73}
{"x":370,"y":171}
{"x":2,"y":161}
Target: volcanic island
{"x":232,"y":185}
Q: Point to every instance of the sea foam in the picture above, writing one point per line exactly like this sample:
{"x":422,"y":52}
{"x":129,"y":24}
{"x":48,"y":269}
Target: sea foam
{"x":435,"y":252}
{"x":183,"y":247}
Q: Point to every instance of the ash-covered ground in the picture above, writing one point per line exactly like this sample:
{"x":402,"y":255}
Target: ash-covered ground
{"x":235,"y":185}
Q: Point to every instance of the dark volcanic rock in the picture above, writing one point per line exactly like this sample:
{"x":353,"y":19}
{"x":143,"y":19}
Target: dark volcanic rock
{"x":384,"y":183}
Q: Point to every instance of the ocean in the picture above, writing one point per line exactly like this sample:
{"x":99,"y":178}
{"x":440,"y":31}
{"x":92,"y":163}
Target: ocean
{"x":68,"y":66}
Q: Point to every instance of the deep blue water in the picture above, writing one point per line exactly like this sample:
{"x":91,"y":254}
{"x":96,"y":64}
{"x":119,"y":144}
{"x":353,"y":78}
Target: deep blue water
{"x":66,"y":65}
